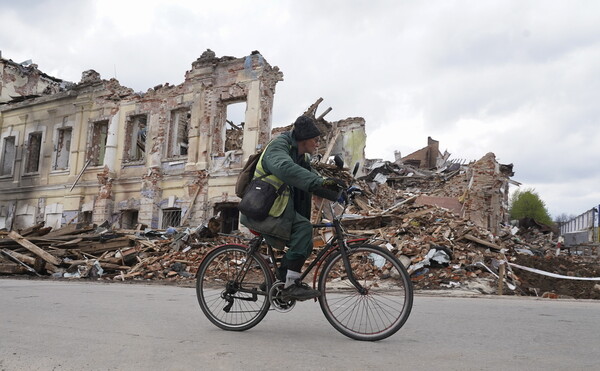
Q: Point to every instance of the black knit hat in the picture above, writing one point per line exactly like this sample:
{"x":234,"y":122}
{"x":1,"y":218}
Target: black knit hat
{"x":305,"y":128}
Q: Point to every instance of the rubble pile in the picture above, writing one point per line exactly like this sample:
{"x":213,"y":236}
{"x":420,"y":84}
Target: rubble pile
{"x":440,"y":249}
{"x":78,"y":251}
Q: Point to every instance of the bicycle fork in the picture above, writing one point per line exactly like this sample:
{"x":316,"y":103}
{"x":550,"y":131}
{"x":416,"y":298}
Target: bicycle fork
{"x":346,"y":259}
{"x":347,"y":265}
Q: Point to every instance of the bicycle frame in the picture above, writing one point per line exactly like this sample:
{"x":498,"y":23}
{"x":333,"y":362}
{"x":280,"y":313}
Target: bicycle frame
{"x":338,"y":241}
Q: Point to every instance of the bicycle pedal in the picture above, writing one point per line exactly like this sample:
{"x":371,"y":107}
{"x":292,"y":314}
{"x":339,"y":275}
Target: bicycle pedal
{"x":276,"y":299}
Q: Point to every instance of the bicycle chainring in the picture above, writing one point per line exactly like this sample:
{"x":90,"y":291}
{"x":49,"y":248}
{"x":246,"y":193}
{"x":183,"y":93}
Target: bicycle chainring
{"x":277,"y":302}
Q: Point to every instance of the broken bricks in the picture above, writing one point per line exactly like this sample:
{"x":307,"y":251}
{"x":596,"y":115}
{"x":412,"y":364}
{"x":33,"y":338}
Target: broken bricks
{"x":414,"y":231}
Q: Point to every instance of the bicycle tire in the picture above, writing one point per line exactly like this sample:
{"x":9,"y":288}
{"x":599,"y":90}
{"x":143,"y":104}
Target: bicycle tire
{"x":214,"y":279}
{"x":382,"y":310}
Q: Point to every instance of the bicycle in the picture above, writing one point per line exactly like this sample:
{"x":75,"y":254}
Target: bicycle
{"x":366,"y":293}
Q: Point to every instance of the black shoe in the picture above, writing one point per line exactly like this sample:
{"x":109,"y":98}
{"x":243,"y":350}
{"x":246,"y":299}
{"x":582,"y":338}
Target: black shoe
{"x":299,"y":291}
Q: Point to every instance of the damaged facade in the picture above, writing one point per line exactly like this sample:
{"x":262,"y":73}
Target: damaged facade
{"x":96,"y":150}
{"x":477,"y":191}
{"x":21,"y":81}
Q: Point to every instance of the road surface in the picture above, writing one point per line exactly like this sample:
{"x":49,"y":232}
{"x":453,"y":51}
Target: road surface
{"x":58,"y":325}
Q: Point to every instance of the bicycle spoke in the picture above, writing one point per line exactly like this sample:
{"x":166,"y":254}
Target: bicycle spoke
{"x":384,"y":306}
{"x":229,"y":304}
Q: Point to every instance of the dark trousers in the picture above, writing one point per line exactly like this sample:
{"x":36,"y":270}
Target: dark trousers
{"x":300,"y":246}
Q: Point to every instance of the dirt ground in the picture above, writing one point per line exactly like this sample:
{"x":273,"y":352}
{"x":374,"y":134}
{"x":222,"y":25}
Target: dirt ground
{"x":536,"y":284}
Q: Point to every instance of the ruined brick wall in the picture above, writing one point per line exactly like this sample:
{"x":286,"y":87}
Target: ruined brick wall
{"x":482,"y":189}
{"x":425,"y":157}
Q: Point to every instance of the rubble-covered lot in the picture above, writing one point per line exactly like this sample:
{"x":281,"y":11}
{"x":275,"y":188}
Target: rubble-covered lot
{"x":440,"y":249}
{"x":556,"y":287}
{"x":172,"y":159}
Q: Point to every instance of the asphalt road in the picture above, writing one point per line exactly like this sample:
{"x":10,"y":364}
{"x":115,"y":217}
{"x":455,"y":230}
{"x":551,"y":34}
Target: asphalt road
{"x":57,"y":325}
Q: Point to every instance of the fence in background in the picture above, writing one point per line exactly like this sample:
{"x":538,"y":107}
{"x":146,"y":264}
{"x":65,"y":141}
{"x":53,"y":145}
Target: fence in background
{"x":581,"y":229}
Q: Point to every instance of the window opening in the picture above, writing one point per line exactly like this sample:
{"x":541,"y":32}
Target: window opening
{"x":34,"y":146}
{"x":129,"y":219}
{"x":179,"y":132}
{"x":86,"y":217}
{"x":135,"y":138}
{"x":229,"y":216}
{"x":171,"y":217}
{"x":98,"y":148}
{"x":63,"y":149}
{"x":8,"y":156}
{"x":234,"y":126}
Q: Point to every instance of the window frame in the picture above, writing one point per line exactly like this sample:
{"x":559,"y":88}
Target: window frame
{"x":97,"y":156}
{"x":173,"y":133}
{"x":128,"y":140}
{"x":27,"y":170}
{"x":3,"y":156}
{"x":59,"y":141}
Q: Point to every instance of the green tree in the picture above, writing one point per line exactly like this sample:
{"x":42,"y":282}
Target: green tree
{"x":527,"y":204}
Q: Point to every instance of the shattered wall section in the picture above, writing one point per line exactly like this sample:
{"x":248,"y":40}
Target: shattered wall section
{"x":483,"y":191}
{"x":426,"y":157}
{"x":21,"y":80}
{"x":351,"y":141}
{"x":228,"y":81}
{"x":347,"y":137}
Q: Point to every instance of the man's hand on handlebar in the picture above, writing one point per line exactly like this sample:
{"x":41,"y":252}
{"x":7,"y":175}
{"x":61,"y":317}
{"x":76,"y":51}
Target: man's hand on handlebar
{"x":334,"y":184}
{"x":331,"y":188}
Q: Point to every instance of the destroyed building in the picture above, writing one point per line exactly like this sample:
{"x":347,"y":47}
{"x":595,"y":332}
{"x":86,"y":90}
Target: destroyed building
{"x":477,"y":191}
{"x":97,"y":150}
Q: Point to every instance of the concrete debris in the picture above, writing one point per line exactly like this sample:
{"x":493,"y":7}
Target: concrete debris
{"x":421,"y":211}
{"x":441,"y":249}
{"x":100,"y":182}
{"x":109,"y":254}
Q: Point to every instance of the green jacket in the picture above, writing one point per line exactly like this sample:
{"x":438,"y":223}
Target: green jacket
{"x":282,"y":161}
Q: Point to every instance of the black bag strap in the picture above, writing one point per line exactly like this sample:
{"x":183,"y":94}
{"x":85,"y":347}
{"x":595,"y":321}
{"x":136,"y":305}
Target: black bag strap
{"x":266,"y":174}
{"x":281,"y":189}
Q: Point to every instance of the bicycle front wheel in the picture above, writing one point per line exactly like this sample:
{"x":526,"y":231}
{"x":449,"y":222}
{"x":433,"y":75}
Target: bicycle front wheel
{"x":230,"y":300}
{"x":384,"y":306}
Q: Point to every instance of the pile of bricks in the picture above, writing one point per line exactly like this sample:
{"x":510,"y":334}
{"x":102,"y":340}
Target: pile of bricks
{"x":78,"y":251}
{"x":390,"y":215}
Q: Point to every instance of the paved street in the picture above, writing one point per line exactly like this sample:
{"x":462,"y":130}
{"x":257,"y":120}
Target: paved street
{"x":51,"y":325}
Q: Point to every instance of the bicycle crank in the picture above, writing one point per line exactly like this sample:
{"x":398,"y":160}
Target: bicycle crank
{"x":277,"y":302}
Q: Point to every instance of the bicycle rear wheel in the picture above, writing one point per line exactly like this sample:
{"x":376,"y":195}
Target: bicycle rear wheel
{"x":379,"y":312}
{"x":231,"y":305}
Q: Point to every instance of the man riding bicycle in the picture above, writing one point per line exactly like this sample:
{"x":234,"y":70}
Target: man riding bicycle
{"x":286,"y":160}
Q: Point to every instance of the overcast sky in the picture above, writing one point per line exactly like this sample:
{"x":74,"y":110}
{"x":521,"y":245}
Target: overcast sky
{"x":520,"y":78}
